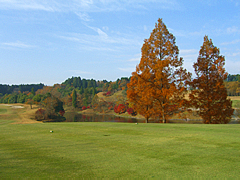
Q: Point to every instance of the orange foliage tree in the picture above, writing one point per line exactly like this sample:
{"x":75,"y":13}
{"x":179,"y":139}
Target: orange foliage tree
{"x":209,"y":96}
{"x":157,"y":87}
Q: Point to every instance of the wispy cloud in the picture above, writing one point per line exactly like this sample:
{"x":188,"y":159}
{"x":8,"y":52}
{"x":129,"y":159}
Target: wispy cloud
{"x":17,"y":44}
{"x":233,"y":54}
{"x":83,"y":16}
{"x":28,"y":5}
{"x":184,"y":33}
{"x":99,"y":31}
{"x":82,"y":8}
{"x":127,"y":69}
{"x":232,"y":42}
{"x":236,"y":2}
{"x":130,"y":64}
{"x":136,"y":58}
{"x":77,"y":72}
{"x":189,"y":54}
{"x":233,"y":29}
{"x":189,"y":57}
{"x":231,"y":66}
{"x":98,"y":39}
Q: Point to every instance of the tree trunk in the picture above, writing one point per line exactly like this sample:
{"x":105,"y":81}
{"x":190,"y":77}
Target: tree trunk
{"x":163,"y":118}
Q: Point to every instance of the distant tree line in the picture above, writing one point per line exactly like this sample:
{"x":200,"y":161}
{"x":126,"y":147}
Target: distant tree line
{"x":81,"y":84}
{"x":232,"y":83}
{"x":234,"y":77}
{"x":9,"y":89}
{"x":74,"y":91}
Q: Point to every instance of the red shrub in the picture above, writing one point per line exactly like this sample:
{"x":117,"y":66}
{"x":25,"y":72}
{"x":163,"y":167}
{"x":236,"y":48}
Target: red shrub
{"x":121,"y":108}
{"x":116,"y":109}
{"x":108,"y":93}
{"x":84,"y":107}
{"x":40,"y":114}
{"x":131,"y":112}
{"x":62,"y":112}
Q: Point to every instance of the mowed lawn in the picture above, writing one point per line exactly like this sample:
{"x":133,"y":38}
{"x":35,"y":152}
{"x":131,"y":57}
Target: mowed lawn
{"x":118,"y":150}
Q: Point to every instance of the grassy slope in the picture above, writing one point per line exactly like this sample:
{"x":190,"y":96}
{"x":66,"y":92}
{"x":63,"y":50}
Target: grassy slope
{"x":235,"y":101}
{"x":89,"y":150}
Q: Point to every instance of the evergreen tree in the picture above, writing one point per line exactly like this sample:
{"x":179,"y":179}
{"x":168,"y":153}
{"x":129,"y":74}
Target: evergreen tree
{"x":74,"y":98}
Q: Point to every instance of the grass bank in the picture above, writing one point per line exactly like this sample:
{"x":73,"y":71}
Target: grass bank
{"x":236,"y":103}
{"x":117,"y":150}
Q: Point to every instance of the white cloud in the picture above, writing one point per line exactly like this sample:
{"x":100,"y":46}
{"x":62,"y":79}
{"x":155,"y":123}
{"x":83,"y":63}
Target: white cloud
{"x":28,"y":5}
{"x":127,"y":69}
{"x":184,"y":33}
{"x":145,"y":28}
{"x":83,"y":7}
{"x":135,"y":59}
{"x":230,"y":66}
{"x":236,"y":2}
{"x":88,"y":42}
{"x":86,"y":3}
{"x":189,"y":57}
{"x":232,"y":42}
{"x":105,"y":28}
{"x":100,"y":40}
{"x":77,"y":72}
{"x":233,"y":29}
{"x":189,"y":54}
{"x":83,"y":16}
{"x":234,"y":54}
{"x":70,"y":38}
{"x":17,"y":44}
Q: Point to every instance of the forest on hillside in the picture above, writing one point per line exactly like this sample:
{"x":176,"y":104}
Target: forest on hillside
{"x":85,"y":89}
{"x":232,"y":83}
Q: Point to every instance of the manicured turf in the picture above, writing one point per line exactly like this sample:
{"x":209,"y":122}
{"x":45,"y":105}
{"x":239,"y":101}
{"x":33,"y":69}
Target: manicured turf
{"x":236,"y":103}
{"x":119,"y":150}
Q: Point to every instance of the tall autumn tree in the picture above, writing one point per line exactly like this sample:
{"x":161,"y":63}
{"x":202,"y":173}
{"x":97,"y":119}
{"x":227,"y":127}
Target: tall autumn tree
{"x":157,"y":87}
{"x":209,"y":96}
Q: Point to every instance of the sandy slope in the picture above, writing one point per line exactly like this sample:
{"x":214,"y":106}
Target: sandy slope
{"x":23,"y":114}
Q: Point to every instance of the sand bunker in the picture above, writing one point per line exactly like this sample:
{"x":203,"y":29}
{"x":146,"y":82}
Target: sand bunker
{"x":13,"y":106}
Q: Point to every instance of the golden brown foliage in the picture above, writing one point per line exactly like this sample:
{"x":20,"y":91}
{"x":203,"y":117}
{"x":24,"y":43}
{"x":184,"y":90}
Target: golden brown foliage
{"x":157,"y":86}
{"x":209,"y":96}
{"x":233,"y":88}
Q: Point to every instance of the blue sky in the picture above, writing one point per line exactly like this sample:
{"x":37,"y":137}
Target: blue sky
{"x":48,"y":41}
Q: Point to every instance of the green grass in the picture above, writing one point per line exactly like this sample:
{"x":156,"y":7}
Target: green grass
{"x":236,"y":103}
{"x":118,"y":150}
{"x":3,"y":109}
